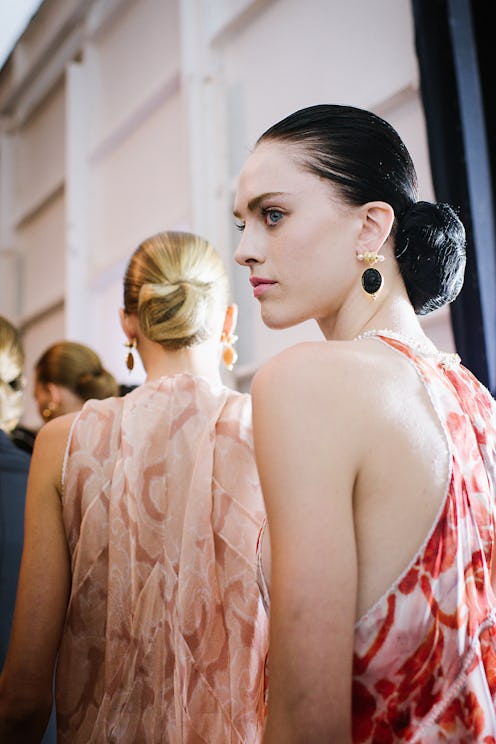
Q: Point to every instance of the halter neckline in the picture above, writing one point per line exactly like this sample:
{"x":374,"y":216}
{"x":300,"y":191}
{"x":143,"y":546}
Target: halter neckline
{"x":447,"y":360}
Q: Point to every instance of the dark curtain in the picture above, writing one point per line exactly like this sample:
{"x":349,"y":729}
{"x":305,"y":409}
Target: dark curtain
{"x":457,"y":80}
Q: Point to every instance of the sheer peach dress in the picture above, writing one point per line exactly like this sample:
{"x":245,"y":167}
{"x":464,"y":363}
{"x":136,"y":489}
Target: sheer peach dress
{"x":165,"y":636}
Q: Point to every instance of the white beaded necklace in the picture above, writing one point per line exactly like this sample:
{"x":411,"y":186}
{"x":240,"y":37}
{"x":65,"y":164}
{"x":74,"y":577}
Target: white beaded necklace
{"x":445,"y":359}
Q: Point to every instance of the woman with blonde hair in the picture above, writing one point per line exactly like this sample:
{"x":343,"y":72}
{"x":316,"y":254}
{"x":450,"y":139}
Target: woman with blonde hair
{"x":68,"y":374}
{"x":14,"y":468}
{"x":142,"y":518}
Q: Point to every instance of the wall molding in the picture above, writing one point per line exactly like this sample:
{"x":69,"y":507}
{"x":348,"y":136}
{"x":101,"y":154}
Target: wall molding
{"x":168,"y":90}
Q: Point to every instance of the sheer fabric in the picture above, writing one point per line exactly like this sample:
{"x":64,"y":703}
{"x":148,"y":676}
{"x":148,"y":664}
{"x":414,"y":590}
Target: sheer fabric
{"x":165,"y":635}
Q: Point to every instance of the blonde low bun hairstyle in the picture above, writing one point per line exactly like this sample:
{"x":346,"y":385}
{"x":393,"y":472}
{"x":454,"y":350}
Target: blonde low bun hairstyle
{"x":11,"y":380}
{"x":176,"y":284}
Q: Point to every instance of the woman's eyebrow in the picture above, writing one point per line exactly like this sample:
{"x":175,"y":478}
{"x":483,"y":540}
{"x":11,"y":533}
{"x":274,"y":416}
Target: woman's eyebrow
{"x":254,"y":203}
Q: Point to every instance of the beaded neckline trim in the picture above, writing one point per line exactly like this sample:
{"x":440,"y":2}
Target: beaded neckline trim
{"x":447,"y":360}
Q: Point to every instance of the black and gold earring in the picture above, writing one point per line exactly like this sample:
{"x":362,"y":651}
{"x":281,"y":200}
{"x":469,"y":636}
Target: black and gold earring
{"x":372,"y":279}
{"x":130,"y":357}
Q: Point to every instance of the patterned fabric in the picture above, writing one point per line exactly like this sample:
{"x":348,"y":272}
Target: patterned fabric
{"x":425,"y":653}
{"x":424,"y":667}
{"x":165,"y":636}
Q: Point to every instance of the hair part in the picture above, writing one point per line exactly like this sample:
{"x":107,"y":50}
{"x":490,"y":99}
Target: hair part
{"x":176,"y":283}
{"x":78,"y":368}
{"x":365,"y":159}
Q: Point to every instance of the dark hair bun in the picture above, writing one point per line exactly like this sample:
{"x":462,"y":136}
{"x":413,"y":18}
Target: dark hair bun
{"x":98,"y":384}
{"x":430,"y":250}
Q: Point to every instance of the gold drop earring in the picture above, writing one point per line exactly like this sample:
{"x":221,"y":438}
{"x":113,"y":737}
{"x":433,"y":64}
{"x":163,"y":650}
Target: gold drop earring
{"x":131,"y":345}
{"x":228,"y":339}
{"x":229,"y":353}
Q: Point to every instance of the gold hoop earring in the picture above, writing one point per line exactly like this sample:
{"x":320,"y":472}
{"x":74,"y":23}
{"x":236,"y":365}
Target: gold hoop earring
{"x":372,"y":279}
{"x":131,"y":345}
{"x":48,"y":412}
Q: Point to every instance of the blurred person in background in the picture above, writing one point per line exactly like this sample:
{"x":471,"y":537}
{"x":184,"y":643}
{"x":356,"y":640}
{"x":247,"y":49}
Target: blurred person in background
{"x":68,"y":374}
{"x":14,"y":468}
{"x":142,"y":517}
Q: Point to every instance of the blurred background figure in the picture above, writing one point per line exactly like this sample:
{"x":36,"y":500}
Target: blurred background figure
{"x":14,"y":467}
{"x":67,"y":375}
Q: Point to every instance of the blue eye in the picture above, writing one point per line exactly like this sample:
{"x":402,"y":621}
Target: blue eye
{"x":272,"y":216}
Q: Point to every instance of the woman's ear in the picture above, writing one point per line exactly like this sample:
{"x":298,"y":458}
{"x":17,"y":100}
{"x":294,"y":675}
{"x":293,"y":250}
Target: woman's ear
{"x":54,"y":393}
{"x":377,"y":222}
{"x":128,"y":324}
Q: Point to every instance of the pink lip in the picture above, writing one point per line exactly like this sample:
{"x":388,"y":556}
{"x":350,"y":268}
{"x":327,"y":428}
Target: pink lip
{"x":260,"y":285}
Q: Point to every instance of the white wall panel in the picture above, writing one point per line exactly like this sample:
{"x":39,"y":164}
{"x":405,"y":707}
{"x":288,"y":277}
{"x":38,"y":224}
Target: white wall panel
{"x":39,"y":152}
{"x":297,"y":54}
{"x":130,"y":61}
{"x":139,"y":188}
{"x":41,"y":242}
{"x":9,"y":285}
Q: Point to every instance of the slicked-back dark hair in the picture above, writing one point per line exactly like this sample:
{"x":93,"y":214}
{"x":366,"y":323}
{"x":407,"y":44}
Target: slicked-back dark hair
{"x":366,"y":160}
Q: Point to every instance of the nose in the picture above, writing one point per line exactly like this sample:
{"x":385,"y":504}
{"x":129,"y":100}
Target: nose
{"x":246,"y":253}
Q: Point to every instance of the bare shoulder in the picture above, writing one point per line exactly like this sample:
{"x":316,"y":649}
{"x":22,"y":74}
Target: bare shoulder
{"x":49,"y":449}
{"x":54,"y":433}
{"x":309,"y":368}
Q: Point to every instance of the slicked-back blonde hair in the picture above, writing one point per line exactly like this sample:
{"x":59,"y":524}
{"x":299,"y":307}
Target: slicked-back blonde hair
{"x":176,"y":283}
{"x":11,"y":381}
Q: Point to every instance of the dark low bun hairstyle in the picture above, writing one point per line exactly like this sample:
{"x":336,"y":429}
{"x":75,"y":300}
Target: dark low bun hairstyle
{"x":366,"y":160}
{"x":430,"y":250}
{"x":99,"y":384}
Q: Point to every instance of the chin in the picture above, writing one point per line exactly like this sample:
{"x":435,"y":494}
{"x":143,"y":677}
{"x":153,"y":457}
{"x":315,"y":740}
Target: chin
{"x":277,"y":323}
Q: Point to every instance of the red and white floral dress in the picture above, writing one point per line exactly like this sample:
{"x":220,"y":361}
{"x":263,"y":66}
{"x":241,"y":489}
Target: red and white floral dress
{"x":424,"y":667}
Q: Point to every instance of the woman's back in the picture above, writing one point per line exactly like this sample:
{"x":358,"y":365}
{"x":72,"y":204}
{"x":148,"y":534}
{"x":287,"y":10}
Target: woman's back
{"x":424,"y":520}
{"x":162,"y":530}
{"x":424,"y":648}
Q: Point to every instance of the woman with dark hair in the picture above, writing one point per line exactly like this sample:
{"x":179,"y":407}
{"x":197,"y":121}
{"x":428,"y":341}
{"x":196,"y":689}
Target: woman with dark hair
{"x":68,"y":374}
{"x":376,"y":451}
{"x":139,"y":568}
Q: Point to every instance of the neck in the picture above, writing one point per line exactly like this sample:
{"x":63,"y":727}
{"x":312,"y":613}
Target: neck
{"x":360,"y":314}
{"x":200,"y":361}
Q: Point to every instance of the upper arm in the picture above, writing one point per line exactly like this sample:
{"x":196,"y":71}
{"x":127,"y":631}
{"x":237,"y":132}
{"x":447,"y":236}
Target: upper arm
{"x":44,"y":577}
{"x":304,"y":450}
